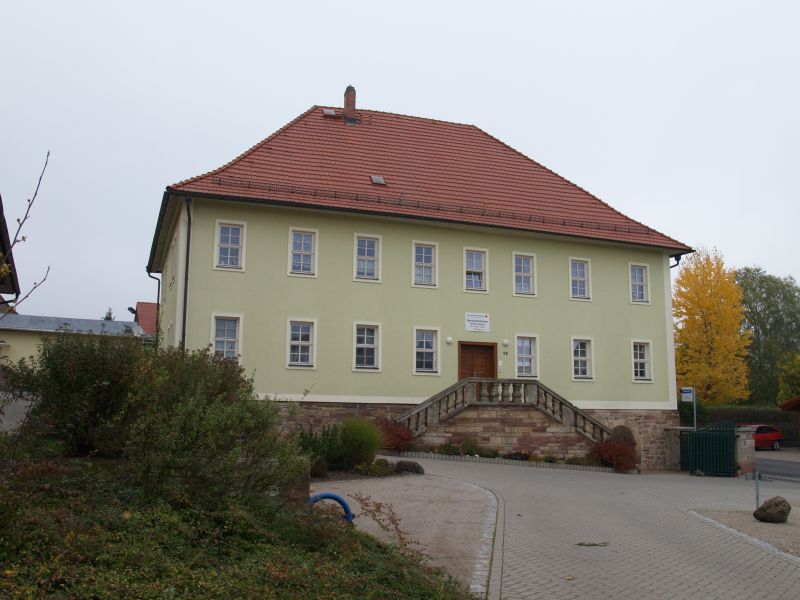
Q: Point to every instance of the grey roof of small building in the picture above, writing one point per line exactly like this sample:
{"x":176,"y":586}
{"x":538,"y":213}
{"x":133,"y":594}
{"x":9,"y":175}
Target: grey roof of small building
{"x":16,"y":322}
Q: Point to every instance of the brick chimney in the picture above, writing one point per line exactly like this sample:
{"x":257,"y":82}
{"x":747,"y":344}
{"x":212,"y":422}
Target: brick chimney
{"x":350,"y":105}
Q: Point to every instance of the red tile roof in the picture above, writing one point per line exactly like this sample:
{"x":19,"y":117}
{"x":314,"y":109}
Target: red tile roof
{"x":433,"y":170}
{"x":147,"y":316}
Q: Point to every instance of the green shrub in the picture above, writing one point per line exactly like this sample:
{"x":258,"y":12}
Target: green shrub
{"x":517,"y":455}
{"x":326,"y":445}
{"x":201,"y":435}
{"x":549,"y":458}
{"x":448,"y":449}
{"x":79,"y":385}
{"x":360,"y":440}
{"x":469,"y":446}
{"x":379,"y":468}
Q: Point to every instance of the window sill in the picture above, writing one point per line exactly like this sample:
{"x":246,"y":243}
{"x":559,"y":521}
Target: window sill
{"x":589,"y":379}
{"x":427,"y":373}
{"x":366,"y":369}
{"x":302,"y":367}
{"x":229,"y":269}
{"x":302,"y":275}
{"x":525,"y":294}
{"x":475,"y":291}
{"x":577,"y":299}
{"x":643,"y":381}
{"x":426,"y":286}
{"x":640,"y":302}
{"x":366,"y":280}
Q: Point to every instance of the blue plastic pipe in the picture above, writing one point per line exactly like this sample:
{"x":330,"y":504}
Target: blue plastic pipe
{"x":348,"y":514}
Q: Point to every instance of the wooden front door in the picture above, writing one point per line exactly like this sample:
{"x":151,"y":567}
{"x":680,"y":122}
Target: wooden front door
{"x":477,"y":360}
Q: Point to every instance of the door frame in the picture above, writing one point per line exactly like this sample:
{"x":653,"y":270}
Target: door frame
{"x":492,"y":345}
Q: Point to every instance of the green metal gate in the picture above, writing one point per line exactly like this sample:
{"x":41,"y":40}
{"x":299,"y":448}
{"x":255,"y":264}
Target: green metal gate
{"x":711,"y":451}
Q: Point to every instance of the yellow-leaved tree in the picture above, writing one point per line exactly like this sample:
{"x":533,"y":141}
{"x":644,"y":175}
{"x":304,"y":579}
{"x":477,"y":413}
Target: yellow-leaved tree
{"x":710,"y":342}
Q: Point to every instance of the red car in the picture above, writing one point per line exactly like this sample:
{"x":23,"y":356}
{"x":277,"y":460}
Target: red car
{"x":766,"y":436}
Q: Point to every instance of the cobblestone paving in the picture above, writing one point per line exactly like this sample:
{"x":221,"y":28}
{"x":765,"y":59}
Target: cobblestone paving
{"x":656,"y":547}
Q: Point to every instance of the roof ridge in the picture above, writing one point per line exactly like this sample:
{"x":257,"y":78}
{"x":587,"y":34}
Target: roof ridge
{"x":549,"y":170}
{"x":247,"y":152}
{"x":394,"y":114}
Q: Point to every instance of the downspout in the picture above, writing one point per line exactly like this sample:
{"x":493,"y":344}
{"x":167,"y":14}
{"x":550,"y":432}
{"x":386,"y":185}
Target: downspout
{"x":158,"y":307}
{"x":677,"y":258}
{"x":186,"y":269}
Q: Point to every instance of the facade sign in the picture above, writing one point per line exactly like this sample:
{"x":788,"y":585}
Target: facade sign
{"x":476,"y":321}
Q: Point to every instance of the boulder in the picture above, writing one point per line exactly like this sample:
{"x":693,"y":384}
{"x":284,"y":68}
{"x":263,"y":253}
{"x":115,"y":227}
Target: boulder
{"x":409,"y":466}
{"x":774,"y":510}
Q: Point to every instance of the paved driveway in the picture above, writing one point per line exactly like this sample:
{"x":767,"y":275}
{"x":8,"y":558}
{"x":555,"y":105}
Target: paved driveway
{"x":650,"y":543}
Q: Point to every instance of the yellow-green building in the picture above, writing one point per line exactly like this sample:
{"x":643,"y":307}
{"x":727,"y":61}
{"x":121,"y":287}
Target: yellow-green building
{"x":362,"y":256}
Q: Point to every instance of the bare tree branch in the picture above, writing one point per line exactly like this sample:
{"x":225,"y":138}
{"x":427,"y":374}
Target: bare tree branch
{"x":5,"y":269}
{"x":30,"y":291}
{"x":31,"y":200}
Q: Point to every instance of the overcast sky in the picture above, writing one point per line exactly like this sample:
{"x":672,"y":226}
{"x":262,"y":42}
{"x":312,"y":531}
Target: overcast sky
{"x":683,"y":115}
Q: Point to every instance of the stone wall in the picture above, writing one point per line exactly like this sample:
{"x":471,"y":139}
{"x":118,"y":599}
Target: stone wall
{"x":315,"y":415}
{"x":506,"y":428}
{"x":509,"y":428}
{"x":648,"y":427}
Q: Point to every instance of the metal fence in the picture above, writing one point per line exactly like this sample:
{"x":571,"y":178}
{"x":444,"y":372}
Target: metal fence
{"x":710,"y":451}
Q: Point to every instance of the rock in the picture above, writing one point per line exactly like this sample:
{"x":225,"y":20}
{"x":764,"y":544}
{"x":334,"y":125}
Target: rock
{"x":774,"y":510}
{"x":409,"y":466}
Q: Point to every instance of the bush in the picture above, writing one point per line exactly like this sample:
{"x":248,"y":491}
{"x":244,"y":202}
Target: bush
{"x":326,"y":445}
{"x":80,"y":386}
{"x":470,"y":447}
{"x":200,"y":434}
{"x":395,"y":436}
{"x":687,"y":413}
{"x":448,"y":449}
{"x":380,"y":468}
{"x":344,"y":445}
{"x":360,"y":440}
{"x":611,"y":453}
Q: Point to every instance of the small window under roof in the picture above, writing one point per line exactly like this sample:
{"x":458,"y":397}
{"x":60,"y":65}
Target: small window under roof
{"x":378,"y":179}
{"x":328,"y":112}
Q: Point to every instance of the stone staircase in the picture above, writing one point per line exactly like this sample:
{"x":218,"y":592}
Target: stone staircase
{"x":498,"y":393}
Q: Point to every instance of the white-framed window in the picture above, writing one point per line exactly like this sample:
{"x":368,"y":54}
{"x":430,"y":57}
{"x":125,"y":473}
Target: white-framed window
{"x":229,"y":245}
{"x":527,"y":350}
{"x":524,"y":274}
{"x":425,"y":268}
{"x":426,"y":351}
{"x":476,"y":270}
{"x":366,"y":346}
{"x":226,"y":335}
{"x":642,"y":363}
{"x":367,"y":258}
{"x":582,"y":359}
{"x":303,"y":252}
{"x":580,"y":279}
{"x":301,"y":337}
{"x":640,"y":284}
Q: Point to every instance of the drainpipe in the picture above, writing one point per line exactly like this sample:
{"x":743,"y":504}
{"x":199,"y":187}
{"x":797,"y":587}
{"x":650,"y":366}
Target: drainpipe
{"x":677,"y":258}
{"x":158,"y":307}
{"x":186,"y":269}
